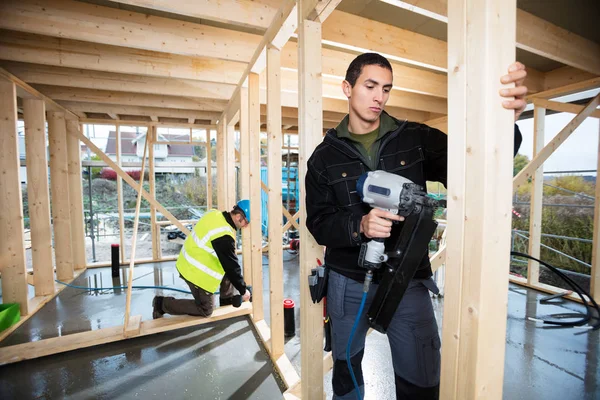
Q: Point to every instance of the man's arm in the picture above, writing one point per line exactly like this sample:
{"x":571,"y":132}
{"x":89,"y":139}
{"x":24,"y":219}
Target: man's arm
{"x":330,"y":224}
{"x":225,"y":249}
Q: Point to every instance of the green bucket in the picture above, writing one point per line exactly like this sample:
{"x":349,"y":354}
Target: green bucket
{"x":10,"y":314}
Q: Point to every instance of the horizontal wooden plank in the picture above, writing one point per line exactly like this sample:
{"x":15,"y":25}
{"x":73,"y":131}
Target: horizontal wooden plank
{"x":75,"y":341}
{"x":98,"y":24}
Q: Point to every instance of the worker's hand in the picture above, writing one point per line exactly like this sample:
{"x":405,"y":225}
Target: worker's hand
{"x":246,"y":295}
{"x":378,"y":223}
{"x":514,"y":96}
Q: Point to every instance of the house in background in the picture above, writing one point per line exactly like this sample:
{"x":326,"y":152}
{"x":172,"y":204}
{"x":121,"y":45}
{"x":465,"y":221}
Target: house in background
{"x":132,"y":150}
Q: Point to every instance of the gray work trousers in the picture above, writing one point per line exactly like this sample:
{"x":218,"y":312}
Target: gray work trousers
{"x":203,"y":303}
{"x":412,"y":334}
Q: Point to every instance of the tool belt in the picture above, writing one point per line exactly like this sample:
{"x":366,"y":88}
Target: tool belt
{"x":317,"y":283}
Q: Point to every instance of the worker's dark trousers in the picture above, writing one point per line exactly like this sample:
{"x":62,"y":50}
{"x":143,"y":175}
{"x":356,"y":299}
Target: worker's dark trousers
{"x":203,"y":303}
{"x":413,"y":337}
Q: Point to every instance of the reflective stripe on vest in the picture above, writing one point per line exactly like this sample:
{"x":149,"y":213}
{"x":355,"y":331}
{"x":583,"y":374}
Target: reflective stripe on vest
{"x":198,"y":263}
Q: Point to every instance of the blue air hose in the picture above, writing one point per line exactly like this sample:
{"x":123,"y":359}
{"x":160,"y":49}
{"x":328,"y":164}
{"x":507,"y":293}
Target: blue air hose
{"x":124,"y":287}
{"x":368,"y":279}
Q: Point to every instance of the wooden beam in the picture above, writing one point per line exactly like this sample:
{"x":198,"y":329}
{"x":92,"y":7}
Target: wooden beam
{"x":537,"y":194}
{"x":222,"y":166}
{"x":12,"y":248}
{"x":358,"y":33}
{"x":155,"y":232}
{"x":76,"y":195}
{"x":245,"y":178}
{"x":76,"y":341}
{"x":25,"y":91}
{"x":34,"y":113}
{"x":410,"y":79}
{"x":560,"y":138}
{"x":563,"y":107}
{"x":595,"y":272}
{"x":104,"y":25}
{"x":152,"y":112}
{"x":564,"y":76}
{"x":536,"y":36}
{"x":255,"y":196}
{"x":279,"y":19}
{"x":568,"y":89}
{"x":209,"y":184}
{"x":245,"y":13}
{"x":438,"y":123}
{"x":332,"y":88}
{"x":149,"y":142}
{"x":61,"y":52}
{"x":310,"y":105}
{"x":118,"y":155}
{"x":59,"y":189}
{"x":230,"y":158}
{"x":481,"y":46}
{"x":89,"y":79}
{"x":129,"y":98}
{"x":274,"y":144}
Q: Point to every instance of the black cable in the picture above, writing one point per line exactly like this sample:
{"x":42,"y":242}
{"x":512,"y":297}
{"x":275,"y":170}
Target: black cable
{"x":576,"y":288}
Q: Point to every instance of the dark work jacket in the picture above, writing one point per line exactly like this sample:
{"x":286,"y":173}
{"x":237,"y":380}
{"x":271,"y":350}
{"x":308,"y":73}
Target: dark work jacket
{"x":334,"y":208}
{"x":225,"y":249}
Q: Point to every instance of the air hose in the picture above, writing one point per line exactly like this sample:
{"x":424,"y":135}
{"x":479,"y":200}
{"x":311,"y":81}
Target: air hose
{"x":124,"y":287}
{"x":366,"y":285}
{"x":577,"y":289}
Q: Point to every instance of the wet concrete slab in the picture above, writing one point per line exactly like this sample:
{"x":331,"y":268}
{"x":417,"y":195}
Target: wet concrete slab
{"x":540,"y":363}
{"x":213,"y":361}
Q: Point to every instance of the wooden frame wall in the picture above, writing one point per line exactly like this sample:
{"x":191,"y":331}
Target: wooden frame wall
{"x":229,"y":97}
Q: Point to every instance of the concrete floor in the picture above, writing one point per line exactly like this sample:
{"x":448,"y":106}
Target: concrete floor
{"x":540,"y":363}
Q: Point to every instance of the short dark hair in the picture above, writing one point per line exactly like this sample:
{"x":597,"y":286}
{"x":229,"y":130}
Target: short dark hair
{"x":238,"y":211}
{"x":356,"y":66}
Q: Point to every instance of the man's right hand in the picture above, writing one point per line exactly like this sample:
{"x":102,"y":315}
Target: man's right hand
{"x":246,"y":295}
{"x":378,"y":223}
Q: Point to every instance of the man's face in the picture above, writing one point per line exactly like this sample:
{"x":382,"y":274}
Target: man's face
{"x":240,"y":221}
{"x":370,"y":93}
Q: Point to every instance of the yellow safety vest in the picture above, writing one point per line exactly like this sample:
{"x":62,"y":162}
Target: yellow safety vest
{"x":198,"y":263}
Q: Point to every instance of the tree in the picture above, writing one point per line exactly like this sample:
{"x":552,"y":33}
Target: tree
{"x":519,"y":163}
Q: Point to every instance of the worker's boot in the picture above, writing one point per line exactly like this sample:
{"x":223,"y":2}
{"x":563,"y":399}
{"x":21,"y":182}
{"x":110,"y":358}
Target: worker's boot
{"x":235,"y":301}
{"x":157,"y":310}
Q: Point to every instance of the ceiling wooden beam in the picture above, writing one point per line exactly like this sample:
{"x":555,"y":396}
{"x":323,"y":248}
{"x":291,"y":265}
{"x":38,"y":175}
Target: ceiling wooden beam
{"x":152,"y":112}
{"x":332,"y":88}
{"x":129,"y":99}
{"x":246,"y":13}
{"x":97,"y":24}
{"x":350,"y":31}
{"x":537,"y":36}
{"x":39,"y":49}
{"x":80,"y":78}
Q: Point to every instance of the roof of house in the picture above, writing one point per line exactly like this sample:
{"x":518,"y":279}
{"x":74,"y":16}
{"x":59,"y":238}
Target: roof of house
{"x":129,"y":144}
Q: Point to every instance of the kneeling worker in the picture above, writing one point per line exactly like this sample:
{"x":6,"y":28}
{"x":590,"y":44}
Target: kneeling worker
{"x":207,"y":261}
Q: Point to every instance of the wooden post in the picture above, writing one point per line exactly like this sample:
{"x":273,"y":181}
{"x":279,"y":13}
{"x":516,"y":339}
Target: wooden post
{"x":120,"y":195}
{"x":274,"y":143}
{"x":537,"y":195}
{"x":230,"y":159}
{"x":310,"y":124}
{"x":245,"y":179}
{"x":151,"y":136}
{"x":59,"y":186}
{"x":481,"y":47}
{"x":221,"y":167}
{"x":136,"y":220}
{"x":76,"y":195}
{"x":12,"y":241}
{"x":209,"y":185}
{"x":34,"y":112}
{"x":255,"y":195}
{"x":595,"y":273}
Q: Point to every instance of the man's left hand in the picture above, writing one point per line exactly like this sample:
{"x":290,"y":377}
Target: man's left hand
{"x":515,"y":97}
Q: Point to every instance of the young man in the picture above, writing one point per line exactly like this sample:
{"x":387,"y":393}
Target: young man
{"x":208,"y":261}
{"x":370,"y":139}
